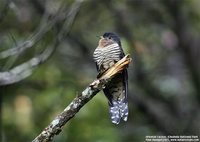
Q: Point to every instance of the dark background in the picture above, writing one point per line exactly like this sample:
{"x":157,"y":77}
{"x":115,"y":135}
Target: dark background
{"x":46,"y":52}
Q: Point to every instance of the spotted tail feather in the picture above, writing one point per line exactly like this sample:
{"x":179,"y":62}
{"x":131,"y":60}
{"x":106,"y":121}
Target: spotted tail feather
{"x":114,"y":113}
{"x":118,"y":110}
{"x":123,"y":108}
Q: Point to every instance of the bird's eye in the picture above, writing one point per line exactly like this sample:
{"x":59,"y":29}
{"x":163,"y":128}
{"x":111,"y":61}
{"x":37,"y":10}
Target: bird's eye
{"x":109,"y":38}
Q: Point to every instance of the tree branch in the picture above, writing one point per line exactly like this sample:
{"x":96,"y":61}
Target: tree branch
{"x":47,"y":23}
{"x":25,"y":69}
{"x":55,"y":127}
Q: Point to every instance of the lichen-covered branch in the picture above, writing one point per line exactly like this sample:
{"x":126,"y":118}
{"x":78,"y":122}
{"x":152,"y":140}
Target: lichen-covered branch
{"x":97,"y":85}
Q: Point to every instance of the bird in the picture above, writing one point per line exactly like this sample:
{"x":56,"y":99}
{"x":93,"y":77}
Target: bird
{"x":107,"y":53}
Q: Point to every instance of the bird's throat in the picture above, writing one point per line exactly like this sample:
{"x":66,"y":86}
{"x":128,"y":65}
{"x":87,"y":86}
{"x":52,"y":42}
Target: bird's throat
{"x":104,"y":42}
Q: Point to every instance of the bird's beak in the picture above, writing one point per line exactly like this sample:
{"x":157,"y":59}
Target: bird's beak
{"x":101,"y":37}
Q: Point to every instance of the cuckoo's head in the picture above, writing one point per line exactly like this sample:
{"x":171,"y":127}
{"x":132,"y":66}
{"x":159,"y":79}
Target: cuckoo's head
{"x":109,"y":38}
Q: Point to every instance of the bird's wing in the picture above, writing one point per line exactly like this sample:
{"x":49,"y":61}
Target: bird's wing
{"x":125,"y":83}
{"x":125,"y":77}
{"x":99,"y":71}
{"x":97,"y":67}
{"x":108,"y":93}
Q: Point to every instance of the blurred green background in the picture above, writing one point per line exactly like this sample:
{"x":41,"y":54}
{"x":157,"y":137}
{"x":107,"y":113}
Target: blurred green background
{"x":162,"y":37}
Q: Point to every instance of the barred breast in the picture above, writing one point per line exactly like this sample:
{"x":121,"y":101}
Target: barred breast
{"x":107,"y":56}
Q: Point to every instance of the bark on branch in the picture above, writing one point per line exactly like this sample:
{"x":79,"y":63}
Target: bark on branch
{"x":55,"y":127}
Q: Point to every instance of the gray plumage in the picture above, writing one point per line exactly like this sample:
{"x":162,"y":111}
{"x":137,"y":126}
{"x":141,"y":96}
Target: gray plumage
{"x":116,"y":90}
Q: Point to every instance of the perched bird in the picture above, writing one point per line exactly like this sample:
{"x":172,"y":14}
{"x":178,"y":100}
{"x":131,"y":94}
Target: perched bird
{"x":108,"y":52}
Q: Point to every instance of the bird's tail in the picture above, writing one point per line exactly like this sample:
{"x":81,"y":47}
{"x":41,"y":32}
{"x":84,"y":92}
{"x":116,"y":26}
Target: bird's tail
{"x":118,"y":110}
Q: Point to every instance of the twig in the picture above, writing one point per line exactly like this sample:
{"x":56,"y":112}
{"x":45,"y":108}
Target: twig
{"x":25,"y":69}
{"x":47,"y":24}
{"x":55,"y":127}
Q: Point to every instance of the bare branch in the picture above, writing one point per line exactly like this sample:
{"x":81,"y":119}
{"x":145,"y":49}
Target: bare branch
{"x":69,"y":112}
{"x":25,"y":69}
{"x":46,"y":24}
